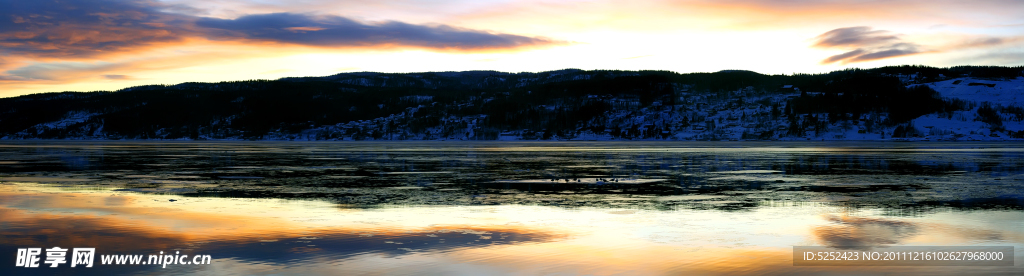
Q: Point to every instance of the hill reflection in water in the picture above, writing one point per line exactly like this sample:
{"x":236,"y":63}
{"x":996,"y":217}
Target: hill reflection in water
{"x":493,"y":208}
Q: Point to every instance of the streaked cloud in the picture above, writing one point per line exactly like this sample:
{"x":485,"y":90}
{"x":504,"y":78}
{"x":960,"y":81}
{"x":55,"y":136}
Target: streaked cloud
{"x":340,"y":31}
{"x":91,"y":28}
{"x":867,"y":44}
{"x":843,"y":56}
{"x":907,"y":49}
{"x":85,"y":28}
{"x":58,"y":71}
{"x":986,"y":41}
{"x":1015,"y":57}
{"x":855,"y":36}
{"x":117,"y":77}
{"x":63,"y":41}
{"x":12,"y":78}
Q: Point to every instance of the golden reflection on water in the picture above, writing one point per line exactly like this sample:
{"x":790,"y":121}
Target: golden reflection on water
{"x":260,"y":236}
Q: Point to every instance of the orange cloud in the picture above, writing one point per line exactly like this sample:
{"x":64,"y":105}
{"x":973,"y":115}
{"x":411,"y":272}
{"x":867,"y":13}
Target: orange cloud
{"x":86,"y":29}
{"x":759,"y":14}
{"x":968,"y":42}
{"x":99,"y":39}
{"x":83,"y":29}
{"x":747,"y":15}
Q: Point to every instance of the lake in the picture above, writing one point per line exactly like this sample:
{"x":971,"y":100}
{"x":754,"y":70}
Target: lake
{"x":505,"y":208}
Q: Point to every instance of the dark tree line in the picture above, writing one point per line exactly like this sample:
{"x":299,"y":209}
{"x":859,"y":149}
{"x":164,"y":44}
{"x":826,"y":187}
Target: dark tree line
{"x":872,"y":93}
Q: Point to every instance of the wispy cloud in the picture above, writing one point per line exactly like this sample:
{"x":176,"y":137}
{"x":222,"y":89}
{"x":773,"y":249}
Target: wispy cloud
{"x":56,"y":40}
{"x":340,"y":31}
{"x":843,"y":56}
{"x":907,"y":49}
{"x":85,"y":28}
{"x":866,"y":45}
{"x":58,"y":71}
{"x":90,"y":28}
{"x":855,"y":36}
{"x":116,"y":77}
{"x":12,"y":78}
{"x":986,"y":41}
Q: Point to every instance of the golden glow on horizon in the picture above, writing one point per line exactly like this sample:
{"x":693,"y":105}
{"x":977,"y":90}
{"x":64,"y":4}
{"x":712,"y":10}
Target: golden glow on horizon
{"x":766,"y":36}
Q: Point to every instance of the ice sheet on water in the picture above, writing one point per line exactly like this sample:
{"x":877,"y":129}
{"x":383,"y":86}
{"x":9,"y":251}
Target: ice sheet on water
{"x":583,"y":181}
{"x":694,"y":197}
{"x":240,"y":177}
{"x":748,"y":171}
{"x":140,"y":176}
{"x":591,"y":166}
{"x":438,"y":172}
{"x":43,"y":179}
{"x":759,"y":178}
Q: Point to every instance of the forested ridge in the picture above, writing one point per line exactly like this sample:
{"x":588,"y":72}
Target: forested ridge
{"x":484,"y":105}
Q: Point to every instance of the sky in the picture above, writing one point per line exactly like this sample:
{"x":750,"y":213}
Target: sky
{"x":90,"y":45}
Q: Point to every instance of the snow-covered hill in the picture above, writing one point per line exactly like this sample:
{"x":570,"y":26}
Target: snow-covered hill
{"x":1001,"y":95}
{"x":1002,"y":92}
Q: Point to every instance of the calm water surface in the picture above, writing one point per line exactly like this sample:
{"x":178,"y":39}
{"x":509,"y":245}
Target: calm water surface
{"x":632,"y":208}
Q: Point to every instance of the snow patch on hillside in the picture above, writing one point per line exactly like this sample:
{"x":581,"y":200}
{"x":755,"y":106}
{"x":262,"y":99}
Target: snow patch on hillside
{"x":1002,"y":92}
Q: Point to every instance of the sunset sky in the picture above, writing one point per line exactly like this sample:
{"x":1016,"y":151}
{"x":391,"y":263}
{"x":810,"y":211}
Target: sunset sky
{"x":86,"y":45}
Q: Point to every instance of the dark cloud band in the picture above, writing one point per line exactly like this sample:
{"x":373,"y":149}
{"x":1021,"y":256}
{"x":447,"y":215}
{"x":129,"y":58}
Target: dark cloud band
{"x":82,"y":28}
{"x":843,"y":56}
{"x":85,"y":28}
{"x":854,"y":36}
{"x":341,"y":31}
{"x":88,"y":29}
{"x":883,"y":55}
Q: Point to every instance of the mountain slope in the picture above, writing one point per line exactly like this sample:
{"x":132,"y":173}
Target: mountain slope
{"x":906,"y":102}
